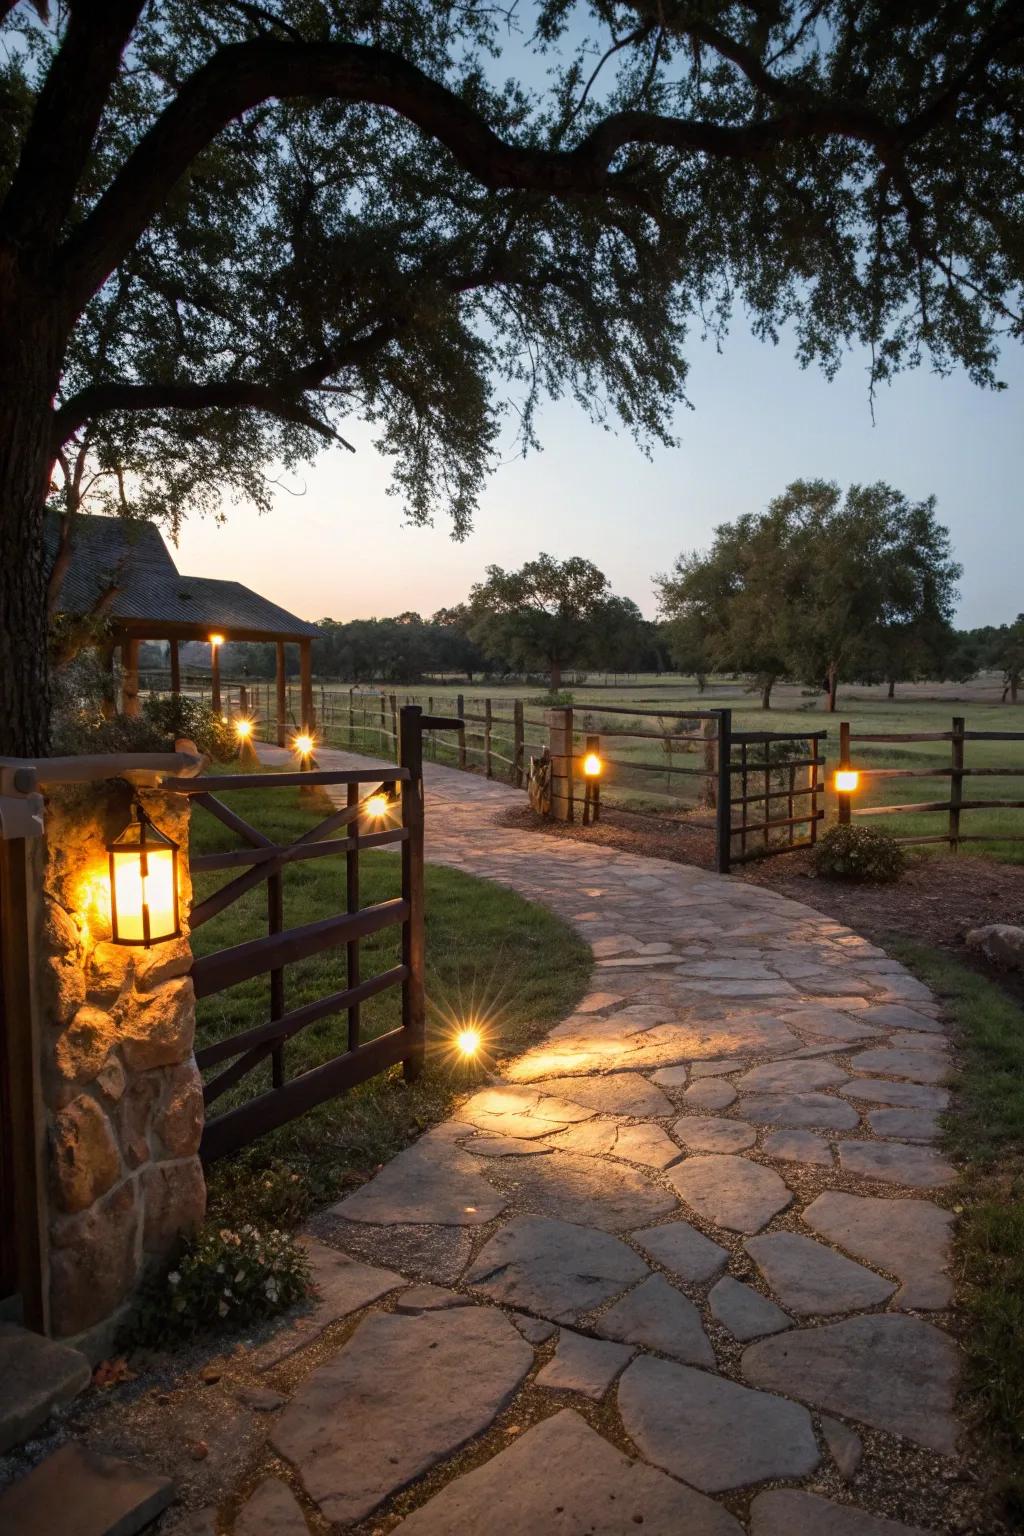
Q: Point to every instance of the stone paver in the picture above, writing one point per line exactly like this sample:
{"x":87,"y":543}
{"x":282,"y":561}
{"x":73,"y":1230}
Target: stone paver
{"x":895,"y":1373}
{"x":683,"y":1250}
{"x":403,"y":1393}
{"x":563,"y":1479}
{"x":710,"y":1432}
{"x":810,"y":1279}
{"x":788,"y":1512}
{"x":706,"y":1133}
{"x":818,"y":1110}
{"x":553,"y":1268}
{"x":745,"y":1312}
{"x":721,"y":1030}
{"x":732,"y":1192}
{"x":105,"y":1494}
{"x":271,"y":1510}
{"x":798,"y":1147}
{"x":912,"y":1240}
{"x":432,"y":1181}
{"x":659,"y":1317}
{"x":590,"y":1191}
{"x":896,"y":1162}
{"x":585,"y":1365}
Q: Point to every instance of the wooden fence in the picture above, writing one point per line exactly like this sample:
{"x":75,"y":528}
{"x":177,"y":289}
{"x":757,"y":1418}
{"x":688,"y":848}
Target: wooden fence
{"x":955,"y":806}
{"x":262,"y":861}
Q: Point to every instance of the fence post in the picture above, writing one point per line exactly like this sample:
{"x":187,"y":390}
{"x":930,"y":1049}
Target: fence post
{"x":488,"y":721}
{"x":812,"y":784}
{"x":956,"y":781}
{"x":518,"y":747}
{"x":723,"y":808}
{"x":351,"y":717}
{"x":843,"y":800}
{"x":460,"y":710}
{"x":413,"y":934}
{"x":352,"y":977}
{"x":396,"y":743}
{"x":560,"y":734}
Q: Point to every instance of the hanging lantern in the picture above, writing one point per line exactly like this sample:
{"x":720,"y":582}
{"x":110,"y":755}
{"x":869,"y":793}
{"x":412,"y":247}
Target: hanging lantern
{"x":143,"y":884}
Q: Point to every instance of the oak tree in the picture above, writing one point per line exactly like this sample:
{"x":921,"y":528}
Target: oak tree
{"x":234,"y":232}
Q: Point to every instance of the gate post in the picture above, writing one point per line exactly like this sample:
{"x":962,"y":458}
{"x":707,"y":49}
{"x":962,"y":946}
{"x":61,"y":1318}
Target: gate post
{"x":413,"y":934}
{"x":560,"y":731}
{"x":723,"y":810}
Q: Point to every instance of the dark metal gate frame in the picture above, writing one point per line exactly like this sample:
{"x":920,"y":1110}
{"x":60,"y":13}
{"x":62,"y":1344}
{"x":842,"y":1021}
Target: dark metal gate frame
{"x":264,"y":861}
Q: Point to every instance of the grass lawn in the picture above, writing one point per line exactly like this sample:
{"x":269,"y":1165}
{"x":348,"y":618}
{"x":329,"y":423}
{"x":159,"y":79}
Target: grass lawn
{"x":986,"y":1134}
{"x":491,"y":956}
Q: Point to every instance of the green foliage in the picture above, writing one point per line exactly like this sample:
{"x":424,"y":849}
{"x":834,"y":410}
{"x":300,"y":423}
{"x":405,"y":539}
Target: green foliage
{"x":174,"y":717}
{"x":544,"y":614}
{"x":224,"y":1278}
{"x":562,"y":698}
{"x":818,"y":586}
{"x":858,"y":853}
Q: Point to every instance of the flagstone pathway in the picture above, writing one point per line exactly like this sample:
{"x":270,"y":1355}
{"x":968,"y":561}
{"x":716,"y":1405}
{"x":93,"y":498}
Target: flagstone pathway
{"x":693,"y":1246}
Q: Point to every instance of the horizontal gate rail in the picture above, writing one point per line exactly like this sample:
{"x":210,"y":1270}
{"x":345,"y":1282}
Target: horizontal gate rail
{"x":298,"y":852}
{"x":212,"y":973}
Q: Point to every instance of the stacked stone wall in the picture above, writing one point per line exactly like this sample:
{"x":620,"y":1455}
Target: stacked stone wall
{"x":122,"y":1094}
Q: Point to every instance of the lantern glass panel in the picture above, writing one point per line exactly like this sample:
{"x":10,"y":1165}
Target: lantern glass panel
{"x":144,"y":886}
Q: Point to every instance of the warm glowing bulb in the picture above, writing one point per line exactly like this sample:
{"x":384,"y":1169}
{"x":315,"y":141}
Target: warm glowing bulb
{"x":846,"y":780}
{"x":592,"y":765}
{"x":243,"y":729}
{"x":468,"y":1042}
{"x":303,"y":745}
{"x":216,"y":640}
{"x":377,"y":805}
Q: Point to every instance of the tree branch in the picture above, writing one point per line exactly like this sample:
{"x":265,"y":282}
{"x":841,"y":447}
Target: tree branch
{"x":279,"y":400}
{"x":64,"y":122}
{"x":241,"y":76}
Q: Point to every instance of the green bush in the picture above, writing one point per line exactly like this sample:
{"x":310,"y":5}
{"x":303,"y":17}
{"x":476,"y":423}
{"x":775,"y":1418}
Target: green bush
{"x":858,"y":853}
{"x":176,"y":715}
{"x":563,"y":699}
{"x":223,"y":1278}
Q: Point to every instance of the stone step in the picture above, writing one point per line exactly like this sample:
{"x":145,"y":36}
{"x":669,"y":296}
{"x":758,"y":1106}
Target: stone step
{"x":83,"y":1494}
{"x":37,"y":1375}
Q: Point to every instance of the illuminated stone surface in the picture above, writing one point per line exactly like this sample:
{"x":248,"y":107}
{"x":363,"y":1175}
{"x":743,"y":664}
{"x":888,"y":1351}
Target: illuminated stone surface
{"x":732,"y":1192}
{"x":553,"y":1267}
{"x":659,"y":1317}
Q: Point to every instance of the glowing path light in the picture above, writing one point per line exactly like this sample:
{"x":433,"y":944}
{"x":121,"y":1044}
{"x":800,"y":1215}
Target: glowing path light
{"x":592,"y":765}
{"x":377,"y":805}
{"x":468,"y":1042}
{"x":846,"y":781}
{"x":243,"y":729}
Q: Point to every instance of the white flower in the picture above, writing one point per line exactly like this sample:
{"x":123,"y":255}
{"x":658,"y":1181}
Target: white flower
{"x":174,"y":1278}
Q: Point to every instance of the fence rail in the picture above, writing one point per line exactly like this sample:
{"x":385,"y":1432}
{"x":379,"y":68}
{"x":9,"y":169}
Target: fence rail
{"x":955,"y":805}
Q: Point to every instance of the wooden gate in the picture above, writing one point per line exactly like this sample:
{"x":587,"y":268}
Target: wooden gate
{"x":261,"y":861}
{"x":780,"y":793}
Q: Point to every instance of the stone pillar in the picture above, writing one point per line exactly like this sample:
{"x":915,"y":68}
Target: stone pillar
{"x":559,"y":724}
{"x":122,"y":1096}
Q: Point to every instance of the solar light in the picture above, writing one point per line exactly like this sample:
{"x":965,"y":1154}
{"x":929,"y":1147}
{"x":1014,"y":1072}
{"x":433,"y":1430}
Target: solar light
{"x":143,"y":884}
{"x":846,"y":780}
{"x":216,"y":640}
{"x":243,"y":729}
{"x":467,"y":1042}
{"x":592,"y":765}
{"x":377,"y":805}
{"x":303,"y":745}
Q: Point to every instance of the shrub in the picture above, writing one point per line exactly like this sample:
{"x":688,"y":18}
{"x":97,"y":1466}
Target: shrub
{"x":222,"y":1278}
{"x":563,"y":699}
{"x":858,"y":853}
{"x":176,"y":715}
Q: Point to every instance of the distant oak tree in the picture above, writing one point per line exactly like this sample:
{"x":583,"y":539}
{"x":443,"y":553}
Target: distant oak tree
{"x":234,"y":231}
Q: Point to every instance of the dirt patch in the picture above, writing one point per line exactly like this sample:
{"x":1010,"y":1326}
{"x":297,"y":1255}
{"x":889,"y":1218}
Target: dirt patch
{"x":939,"y":898}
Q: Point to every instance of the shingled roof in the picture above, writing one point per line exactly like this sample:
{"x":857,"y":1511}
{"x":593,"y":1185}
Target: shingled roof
{"x":153,"y":599}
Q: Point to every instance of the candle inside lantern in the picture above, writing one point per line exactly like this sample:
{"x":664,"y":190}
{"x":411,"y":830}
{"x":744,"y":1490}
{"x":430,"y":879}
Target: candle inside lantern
{"x":143,"y":884}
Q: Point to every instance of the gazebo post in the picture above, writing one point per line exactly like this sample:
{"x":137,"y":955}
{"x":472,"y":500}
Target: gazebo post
{"x":215,"y":676}
{"x":281,"y":703}
{"x":175,"y":667}
{"x":130,"y":686}
{"x":108,"y":705}
{"x":306,"y":686}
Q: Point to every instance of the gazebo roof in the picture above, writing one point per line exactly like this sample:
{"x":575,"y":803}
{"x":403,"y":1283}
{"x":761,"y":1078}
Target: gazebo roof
{"x":153,"y":600}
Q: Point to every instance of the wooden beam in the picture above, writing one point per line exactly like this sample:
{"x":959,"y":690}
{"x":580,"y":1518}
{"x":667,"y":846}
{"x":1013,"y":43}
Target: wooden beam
{"x":215,"y":678}
{"x":282,"y":703}
{"x":175,"y":667}
{"x":130,"y":685}
{"x":306,"y":707}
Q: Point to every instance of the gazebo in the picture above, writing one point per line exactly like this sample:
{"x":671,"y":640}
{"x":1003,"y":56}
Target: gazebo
{"x":123,"y":570}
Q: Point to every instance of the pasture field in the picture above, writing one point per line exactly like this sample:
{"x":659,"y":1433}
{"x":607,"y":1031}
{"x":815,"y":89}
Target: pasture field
{"x":639,"y":772}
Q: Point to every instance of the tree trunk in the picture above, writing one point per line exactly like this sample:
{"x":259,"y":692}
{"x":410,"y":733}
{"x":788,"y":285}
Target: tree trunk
{"x":1014,"y":685}
{"x":26,"y":461}
{"x":833,"y":686}
{"x":766,"y":694}
{"x":702,"y":682}
{"x":555,"y":680}
{"x":892,"y":688}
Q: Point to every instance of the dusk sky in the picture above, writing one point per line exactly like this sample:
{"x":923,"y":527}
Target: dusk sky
{"x":759,"y":421}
